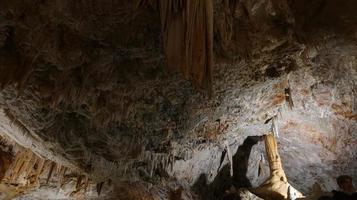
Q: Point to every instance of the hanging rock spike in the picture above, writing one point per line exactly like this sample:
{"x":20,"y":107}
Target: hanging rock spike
{"x":99,"y":188}
{"x":52,"y":167}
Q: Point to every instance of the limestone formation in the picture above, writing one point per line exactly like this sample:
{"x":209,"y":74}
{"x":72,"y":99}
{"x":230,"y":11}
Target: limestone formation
{"x":277,"y":186}
{"x":160,"y":99}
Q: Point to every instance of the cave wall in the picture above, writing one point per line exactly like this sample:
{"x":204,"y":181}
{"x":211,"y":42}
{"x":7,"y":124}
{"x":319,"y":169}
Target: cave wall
{"x":86,"y":84}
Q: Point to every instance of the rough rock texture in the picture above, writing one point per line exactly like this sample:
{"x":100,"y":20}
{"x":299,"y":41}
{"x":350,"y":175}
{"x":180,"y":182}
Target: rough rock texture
{"x":83,"y":83}
{"x":25,"y":174}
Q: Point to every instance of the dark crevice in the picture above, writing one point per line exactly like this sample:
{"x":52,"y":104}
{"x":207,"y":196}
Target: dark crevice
{"x":223,"y":181}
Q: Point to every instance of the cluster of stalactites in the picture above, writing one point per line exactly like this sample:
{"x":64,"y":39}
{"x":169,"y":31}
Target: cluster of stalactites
{"x":28,"y":171}
{"x":187,"y":29}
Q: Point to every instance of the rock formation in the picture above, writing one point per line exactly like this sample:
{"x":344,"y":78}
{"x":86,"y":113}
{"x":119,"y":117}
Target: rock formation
{"x":157,"y":99}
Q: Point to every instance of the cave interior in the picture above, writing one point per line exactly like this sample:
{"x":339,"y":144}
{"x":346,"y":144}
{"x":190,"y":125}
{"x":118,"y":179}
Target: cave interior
{"x":177,"y":99}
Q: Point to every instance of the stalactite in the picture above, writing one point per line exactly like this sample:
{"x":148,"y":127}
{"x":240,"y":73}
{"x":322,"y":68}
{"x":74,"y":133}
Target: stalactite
{"x":99,"y":187}
{"x":261,"y":171}
{"x":52,"y":167}
{"x":223,"y":156}
{"x":20,"y":161}
{"x":5,"y":163}
{"x":288,"y":98}
{"x":26,"y":162}
{"x":187,"y":29}
{"x":230,"y":158}
{"x":86,"y":184}
{"x":79,"y":183}
{"x":274,"y":126}
{"x":39,"y":169}
{"x":26,"y":170}
{"x":29,"y":169}
{"x":61,"y":176}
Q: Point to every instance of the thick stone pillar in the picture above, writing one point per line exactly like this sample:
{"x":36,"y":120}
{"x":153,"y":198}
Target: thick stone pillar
{"x":277,"y":186}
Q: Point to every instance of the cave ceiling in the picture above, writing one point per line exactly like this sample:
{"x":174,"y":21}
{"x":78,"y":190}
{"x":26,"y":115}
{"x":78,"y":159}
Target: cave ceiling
{"x":86,"y":84}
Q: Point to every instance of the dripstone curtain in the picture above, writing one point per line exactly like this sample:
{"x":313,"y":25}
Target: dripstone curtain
{"x":187,"y":29}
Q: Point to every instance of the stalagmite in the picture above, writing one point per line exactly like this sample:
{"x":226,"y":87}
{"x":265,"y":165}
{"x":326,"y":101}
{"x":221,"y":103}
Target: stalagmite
{"x":293,"y":194}
{"x":86,"y":94}
{"x":277,"y":186}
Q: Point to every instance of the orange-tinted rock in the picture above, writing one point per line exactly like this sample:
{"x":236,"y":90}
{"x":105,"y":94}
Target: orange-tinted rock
{"x":5,"y":162}
{"x":344,"y":111}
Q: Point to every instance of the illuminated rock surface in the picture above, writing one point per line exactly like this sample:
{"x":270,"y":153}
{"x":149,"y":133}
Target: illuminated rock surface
{"x":84,"y":84}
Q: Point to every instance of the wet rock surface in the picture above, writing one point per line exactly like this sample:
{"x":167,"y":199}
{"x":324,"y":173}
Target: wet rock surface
{"x":84,"y":83}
